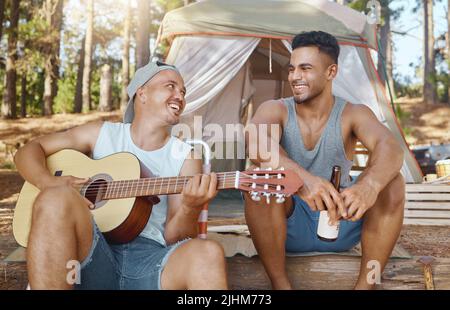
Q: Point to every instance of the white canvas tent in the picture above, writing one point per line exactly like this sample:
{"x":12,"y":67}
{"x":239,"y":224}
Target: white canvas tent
{"x":235,"y":52}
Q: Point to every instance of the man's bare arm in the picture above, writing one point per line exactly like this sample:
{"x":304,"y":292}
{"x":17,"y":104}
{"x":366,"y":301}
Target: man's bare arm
{"x":30,"y":159}
{"x":385,"y":161}
{"x":386,"y":155}
{"x":184,"y":209}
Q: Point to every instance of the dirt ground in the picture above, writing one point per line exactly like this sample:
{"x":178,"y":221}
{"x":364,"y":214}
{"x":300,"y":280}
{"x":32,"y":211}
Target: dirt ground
{"x":426,"y":124}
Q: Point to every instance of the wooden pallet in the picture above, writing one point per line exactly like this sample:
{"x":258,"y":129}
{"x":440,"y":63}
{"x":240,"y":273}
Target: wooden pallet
{"x":427,"y":204}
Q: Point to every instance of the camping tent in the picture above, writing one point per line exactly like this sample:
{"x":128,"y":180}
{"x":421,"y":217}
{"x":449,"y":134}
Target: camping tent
{"x":233,"y":55}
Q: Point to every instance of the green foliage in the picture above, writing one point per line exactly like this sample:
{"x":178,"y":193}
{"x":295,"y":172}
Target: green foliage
{"x":35,"y":90}
{"x":407,"y":89}
{"x":402,"y":116}
{"x":443,"y":84}
{"x":64,"y":100}
{"x":7,"y":164}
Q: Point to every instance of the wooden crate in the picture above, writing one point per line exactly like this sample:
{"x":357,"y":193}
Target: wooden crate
{"x":427,"y":204}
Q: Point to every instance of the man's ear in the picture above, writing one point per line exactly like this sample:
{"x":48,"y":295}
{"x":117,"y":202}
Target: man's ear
{"x":332,"y":71}
{"x":141,"y":94}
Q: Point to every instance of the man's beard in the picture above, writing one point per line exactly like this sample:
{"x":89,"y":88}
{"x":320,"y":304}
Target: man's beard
{"x":303,"y":98}
{"x":307,"y":97}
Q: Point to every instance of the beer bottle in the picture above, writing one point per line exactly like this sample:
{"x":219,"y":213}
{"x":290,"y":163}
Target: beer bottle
{"x":325,"y":231}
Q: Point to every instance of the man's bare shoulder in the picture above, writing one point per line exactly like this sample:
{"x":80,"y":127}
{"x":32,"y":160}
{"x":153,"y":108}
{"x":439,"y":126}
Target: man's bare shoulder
{"x":357,"y":109}
{"x":273,"y":103}
{"x":271,"y":111}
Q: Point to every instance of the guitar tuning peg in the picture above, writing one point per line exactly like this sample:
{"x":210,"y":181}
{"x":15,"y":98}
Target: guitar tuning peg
{"x":267,"y":195}
{"x":256,"y":169}
{"x":281,"y":168}
{"x":269,"y":169}
{"x":280,"y":198}
{"x":255,"y":196}
{"x":279,"y":176}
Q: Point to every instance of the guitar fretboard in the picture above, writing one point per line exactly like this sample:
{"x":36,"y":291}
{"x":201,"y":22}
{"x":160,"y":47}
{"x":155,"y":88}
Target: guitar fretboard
{"x":159,"y":186}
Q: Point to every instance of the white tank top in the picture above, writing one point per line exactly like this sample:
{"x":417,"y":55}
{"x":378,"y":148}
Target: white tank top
{"x":164,"y":162}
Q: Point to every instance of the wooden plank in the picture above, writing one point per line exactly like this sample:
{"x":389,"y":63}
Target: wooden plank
{"x":426,"y":222}
{"x":428,"y":197}
{"x":437,"y":205}
{"x":427,"y":214}
{"x":335,"y":272}
{"x":410,"y":188}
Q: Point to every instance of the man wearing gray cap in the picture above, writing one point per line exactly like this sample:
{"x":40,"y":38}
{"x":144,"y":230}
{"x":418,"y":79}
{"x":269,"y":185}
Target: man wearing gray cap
{"x":163,"y":256}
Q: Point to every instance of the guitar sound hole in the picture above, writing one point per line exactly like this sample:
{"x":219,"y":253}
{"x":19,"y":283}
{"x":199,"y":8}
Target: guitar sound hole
{"x":96,"y":190}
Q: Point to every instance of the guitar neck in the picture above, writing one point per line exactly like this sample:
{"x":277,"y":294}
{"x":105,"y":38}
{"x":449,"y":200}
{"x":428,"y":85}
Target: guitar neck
{"x":160,"y":186}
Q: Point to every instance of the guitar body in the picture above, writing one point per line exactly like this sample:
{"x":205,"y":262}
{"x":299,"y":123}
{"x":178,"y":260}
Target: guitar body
{"x":121,"y":220}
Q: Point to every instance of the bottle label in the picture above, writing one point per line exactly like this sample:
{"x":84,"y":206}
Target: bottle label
{"x":325,"y":230}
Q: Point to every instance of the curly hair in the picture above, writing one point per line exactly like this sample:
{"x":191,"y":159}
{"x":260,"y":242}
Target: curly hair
{"x":326,"y":43}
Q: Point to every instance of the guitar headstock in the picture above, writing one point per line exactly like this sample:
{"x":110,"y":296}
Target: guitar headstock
{"x":276,"y":183}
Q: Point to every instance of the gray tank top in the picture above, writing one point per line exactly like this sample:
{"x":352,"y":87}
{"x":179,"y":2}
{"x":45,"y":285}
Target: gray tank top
{"x":328,"y":151}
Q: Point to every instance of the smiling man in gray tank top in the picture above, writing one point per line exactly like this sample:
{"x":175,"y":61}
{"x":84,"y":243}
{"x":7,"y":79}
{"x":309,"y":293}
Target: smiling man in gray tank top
{"x":318,"y":131}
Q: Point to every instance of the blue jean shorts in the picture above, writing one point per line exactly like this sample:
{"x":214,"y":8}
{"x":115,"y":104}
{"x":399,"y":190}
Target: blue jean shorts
{"x":137,"y":265}
{"x":302,"y":231}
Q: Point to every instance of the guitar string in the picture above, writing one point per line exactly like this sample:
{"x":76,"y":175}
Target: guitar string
{"x":151,"y":181}
{"x":145,"y":186}
{"x":179,"y":187}
{"x":163,"y":181}
{"x":127,"y":184}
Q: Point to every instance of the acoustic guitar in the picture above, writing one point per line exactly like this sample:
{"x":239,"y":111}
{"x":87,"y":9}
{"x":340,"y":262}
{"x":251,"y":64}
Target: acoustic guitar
{"x":123,"y":200}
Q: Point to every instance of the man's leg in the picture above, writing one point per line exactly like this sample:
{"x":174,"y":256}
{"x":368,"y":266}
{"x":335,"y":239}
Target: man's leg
{"x":381,"y":228}
{"x":61,"y":231}
{"x":195,"y":265}
{"x":267,"y":226}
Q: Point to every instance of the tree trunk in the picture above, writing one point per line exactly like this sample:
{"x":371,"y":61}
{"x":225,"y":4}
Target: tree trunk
{"x":385,"y":53}
{"x":78,"y":104}
{"x":2,"y":15}
{"x":105,"y":89}
{"x":23,"y":96}
{"x":86,"y":89}
{"x":126,"y":58}
{"x":429,"y":77}
{"x":10,"y":96}
{"x":143,"y":33}
{"x":53,"y":14}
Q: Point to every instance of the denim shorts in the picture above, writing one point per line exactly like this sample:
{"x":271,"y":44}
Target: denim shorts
{"x":302,"y":231}
{"x":131,"y":266}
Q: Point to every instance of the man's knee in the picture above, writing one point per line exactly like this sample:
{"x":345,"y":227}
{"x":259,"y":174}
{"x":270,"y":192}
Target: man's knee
{"x":207,"y":252}
{"x":54,"y":202}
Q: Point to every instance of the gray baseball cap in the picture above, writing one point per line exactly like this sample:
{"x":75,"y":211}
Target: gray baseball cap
{"x":142,"y":76}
